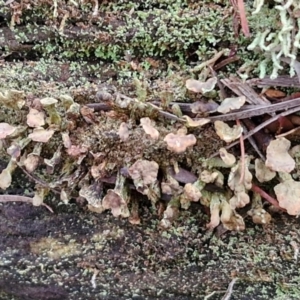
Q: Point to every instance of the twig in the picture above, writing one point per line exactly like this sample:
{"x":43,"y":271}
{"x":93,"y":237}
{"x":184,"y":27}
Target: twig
{"x":241,"y":88}
{"x":254,"y":144}
{"x":244,"y":22}
{"x":288,"y":132}
{"x":258,"y":111}
{"x":108,"y":107}
{"x":209,"y":62}
{"x":38,"y":181}
{"x":266,"y":196}
{"x":230,"y":289}
{"x":280,"y":81}
{"x":242,"y":146}
{"x":220,"y":85}
{"x":210,"y":295}
{"x":261,"y":126}
{"x":16,"y":198}
{"x":226,"y":61}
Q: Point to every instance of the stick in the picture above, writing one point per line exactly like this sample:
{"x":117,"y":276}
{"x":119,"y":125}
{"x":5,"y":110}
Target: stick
{"x":260,"y":110}
{"x":16,"y":198}
{"x":261,"y":126}
{"x":230,"y":289}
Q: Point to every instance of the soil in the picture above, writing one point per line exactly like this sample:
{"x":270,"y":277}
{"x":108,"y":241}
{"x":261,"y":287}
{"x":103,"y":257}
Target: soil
{"x":76,"y":254}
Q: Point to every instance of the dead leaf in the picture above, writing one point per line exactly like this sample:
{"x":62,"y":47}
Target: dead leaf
{"x":271,"y":93}
{"x":182,"y":175}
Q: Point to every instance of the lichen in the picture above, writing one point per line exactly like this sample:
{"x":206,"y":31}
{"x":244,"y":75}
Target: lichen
{"x":278,"y":40}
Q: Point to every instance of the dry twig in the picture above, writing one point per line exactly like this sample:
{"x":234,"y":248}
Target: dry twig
{"x":17,"y":198}
{"x":266,"y":196}
{"x":242,"y":146}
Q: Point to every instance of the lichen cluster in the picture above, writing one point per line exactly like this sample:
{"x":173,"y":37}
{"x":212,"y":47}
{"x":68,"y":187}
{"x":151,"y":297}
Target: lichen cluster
{"x":102,"y":156}
{"x":281,"y":39}
{"x":74,"y":151}
{"x":110,"y":31}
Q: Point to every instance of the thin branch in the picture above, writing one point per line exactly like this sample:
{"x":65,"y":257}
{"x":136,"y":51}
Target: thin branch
{"x":266,"y":196}
{"x":242,"y":146}
{"x":226,"y":61}
{"x":38,"y":181}
{"x":258,"y":110}
{"x":254,"y":145}
{"x":244,"y":22}
{"x":261,"y":126}
{"x":230,"y":289}
{"x":17,"y":198}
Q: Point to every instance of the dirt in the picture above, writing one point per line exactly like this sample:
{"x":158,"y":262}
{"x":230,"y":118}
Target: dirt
{"x":77,"y":254}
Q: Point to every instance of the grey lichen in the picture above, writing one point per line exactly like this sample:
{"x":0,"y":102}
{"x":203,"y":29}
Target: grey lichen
{"x":281,"y":40}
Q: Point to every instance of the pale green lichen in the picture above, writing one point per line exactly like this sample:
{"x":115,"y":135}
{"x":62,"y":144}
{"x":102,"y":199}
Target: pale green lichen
{"x":280,"y":41}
